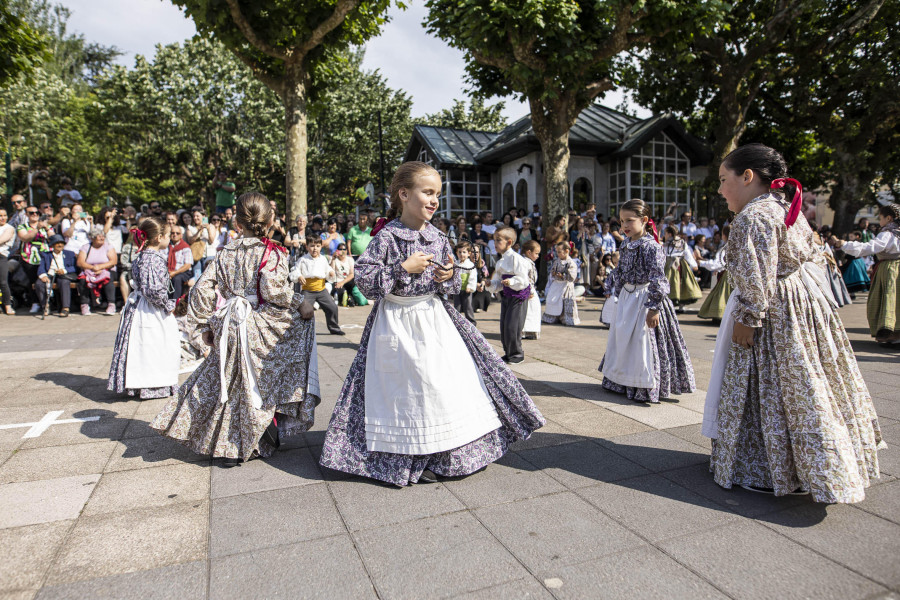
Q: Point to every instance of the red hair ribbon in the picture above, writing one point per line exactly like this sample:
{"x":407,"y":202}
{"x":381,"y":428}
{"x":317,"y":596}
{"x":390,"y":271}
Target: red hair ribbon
{"x":571,"y":246}
{"x":270,"y":246}
{"x":379,"y":225}
{"x":653,"y":229}
{"x":140,"y":237}
{"x":796,"y":203}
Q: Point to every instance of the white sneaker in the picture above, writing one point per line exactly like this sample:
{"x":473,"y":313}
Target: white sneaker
{"x":85,"y":310}
{"x":35,"y":308}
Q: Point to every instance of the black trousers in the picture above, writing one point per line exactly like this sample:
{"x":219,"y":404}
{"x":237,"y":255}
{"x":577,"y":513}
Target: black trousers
{"x":328,"y":306}
{"x":512,"y":321}
{"x":109,"y":290}
{"x":463,"y":303}
{"x":63,"y":291}
{"x":178,"y":283}
{"x":5,"y":292}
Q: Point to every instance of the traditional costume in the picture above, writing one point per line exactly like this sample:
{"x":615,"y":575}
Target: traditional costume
{"x":263,"y":362}
{"x":516,"y":269}
{"x":836,"y":284}
{"x":883,"y":308}
{"x":147,"y":355}
{"x":643,"y":363}
{"x":608,"y":314}
{"x":714,"y":305}
{"x":559,"y":298}
{"x":791,"y":412}
{"x":317,"y":273}
{"x":680,"y":265}
{"x":468,"y":284}
{"x":532,"y":328}
{"x":856,"y":275}
{"x":425,"y":391}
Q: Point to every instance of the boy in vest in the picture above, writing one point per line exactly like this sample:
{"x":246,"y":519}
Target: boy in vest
{"x":312,"y":271}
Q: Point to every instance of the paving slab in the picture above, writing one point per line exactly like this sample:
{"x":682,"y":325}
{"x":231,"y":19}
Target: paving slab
{"x":28,"y":553}
{"x":177,"y":582}
{"x":155,"y":451}
{"x":657,"y":450}
{"x":326,"y":568}
{"x":748,"y":560}
{"x":136,"y":540}
{"x":581,"y":464}
{"x":884,"y":501}
{"x":281,"y":470}
{"x":550,"y":532}
{"x":249,"y":522}
{"x":526,"y":588}
{"x":44,"y":501}
{"x":510,"y":478}
{"x":598,"y":423}
{"x":109,"y":426}
{"x":146,"y":488}
{"x":51,"y":463}
{"x":551,"y":434}
{"x":691,"y":433}
{"x":449,"y":557}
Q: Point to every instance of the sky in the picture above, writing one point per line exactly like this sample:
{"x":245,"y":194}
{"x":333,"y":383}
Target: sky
{"x":429,"y":70}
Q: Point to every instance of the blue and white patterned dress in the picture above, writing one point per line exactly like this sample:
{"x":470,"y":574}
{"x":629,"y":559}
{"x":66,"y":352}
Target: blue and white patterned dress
{"x":643,"y":261}
{"x":378,"y":273}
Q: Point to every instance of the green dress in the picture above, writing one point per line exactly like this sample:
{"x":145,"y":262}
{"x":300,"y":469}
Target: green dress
{"x":683,"y":286}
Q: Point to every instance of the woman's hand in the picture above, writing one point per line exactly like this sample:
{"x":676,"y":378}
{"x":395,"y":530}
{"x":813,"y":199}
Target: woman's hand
{"x":653,"y":319}
{"x":417,"y":263}
{"x":307,"y":311}
{"x":834,"y":241}
{"x":208,"y":337}
{"x":445,"y":272}
{"x":743,"y":335}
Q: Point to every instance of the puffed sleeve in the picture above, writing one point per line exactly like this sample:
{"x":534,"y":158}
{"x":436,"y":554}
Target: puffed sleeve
{"x":860,"y":249}
{"x":454,"y":284}
{"x":752,"y":263}
{"x":274,"y":286}
{"x":379,"y":269}
{"x":155,"y":283}
{"x":571,"y":273}
{"x":202,"y":301}
{"x":654,"y":259}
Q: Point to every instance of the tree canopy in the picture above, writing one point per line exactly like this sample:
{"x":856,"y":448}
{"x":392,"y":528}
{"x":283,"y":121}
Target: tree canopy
{"x":477,"y":116}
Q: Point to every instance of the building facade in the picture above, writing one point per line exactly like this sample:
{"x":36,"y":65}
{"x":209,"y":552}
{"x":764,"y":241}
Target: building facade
{"x":614,"y":157}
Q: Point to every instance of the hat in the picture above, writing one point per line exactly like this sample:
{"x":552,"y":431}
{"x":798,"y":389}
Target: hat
{"x":56,"y":239}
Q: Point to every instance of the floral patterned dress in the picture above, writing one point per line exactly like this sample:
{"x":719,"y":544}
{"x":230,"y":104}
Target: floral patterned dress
{"x":150,"y":273}
{"x":281,"y":348}
{"x":560,"y":306}
{"x":643,"y":261}
{"x":794,"y":411}
{"x":378,"y":273}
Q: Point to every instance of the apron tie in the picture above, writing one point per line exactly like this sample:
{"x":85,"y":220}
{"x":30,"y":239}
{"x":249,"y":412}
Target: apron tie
{"x":237,"y":309}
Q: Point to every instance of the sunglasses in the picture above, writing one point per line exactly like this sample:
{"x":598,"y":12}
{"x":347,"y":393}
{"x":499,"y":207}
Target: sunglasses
{"x":31,"y":212}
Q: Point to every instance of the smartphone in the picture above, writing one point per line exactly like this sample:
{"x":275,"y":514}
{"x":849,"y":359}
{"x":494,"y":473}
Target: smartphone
{"x":82,"y":215}
{"x":206,"y":220}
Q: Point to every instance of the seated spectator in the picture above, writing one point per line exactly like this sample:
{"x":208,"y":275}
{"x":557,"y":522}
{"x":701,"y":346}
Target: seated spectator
{"x":113,"y":227}
{"x":331,"y":237}
{"x":7,"y":239}
{"x":76,"y":228}
{"x":181,"y":260}
{"x":345,"y":290}
{"x":701,"y":252}
{"x":127,"y":256}
{"x":59,"y":266}
{"x":33,"y":236}
{"x":97,"y":261}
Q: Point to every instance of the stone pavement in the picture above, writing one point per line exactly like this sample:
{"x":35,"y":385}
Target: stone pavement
{"x":609,"y":500}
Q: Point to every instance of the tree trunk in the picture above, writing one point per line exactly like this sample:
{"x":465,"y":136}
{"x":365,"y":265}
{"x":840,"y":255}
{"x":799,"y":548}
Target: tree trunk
{"x":552,"y":130}
{"x":847,"y":197}
{"x":296,"y":86}
{"x":728,"y":130}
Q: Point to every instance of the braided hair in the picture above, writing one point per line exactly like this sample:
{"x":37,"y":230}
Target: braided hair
{"x":254,"y":214}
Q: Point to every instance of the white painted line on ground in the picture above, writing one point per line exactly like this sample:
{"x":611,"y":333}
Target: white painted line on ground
{"x":34,"y":354}
{"x":36,"y":429}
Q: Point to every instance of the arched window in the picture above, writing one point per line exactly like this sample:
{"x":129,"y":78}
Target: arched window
{"x":508,"y":198}
{"x":522,"y":194}
{"x":582,"y":194}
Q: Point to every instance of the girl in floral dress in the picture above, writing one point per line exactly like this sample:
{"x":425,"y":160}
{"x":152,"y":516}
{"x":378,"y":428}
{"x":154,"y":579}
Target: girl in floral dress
{"x":147,"y":352}
{"x":262,"y":365}
{"x":787,"y":408}
{"x":646,"y":357}
{"x":680,"y":265}
{"x":426,"y":396}
{"x":560,"y":306}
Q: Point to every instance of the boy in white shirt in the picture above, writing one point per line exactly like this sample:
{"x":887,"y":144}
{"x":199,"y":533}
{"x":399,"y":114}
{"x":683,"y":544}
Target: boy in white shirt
{"x":512,"y":277}
{"x":312,"y":271}
{"x":469,"y":276}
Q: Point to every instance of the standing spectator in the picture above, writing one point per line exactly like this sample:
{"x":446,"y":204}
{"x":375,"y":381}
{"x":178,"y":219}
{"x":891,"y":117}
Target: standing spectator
{"x":278,"y":231}
{"x":528,"y":233}
{"x":33,"y":237}
{"x":705,"y":228}
{"x":57,"y":267}
{"x":489,"y":227}
{"x":67,"y":195}
{"x":7,"y":238}
{"x":479,"y":237}
{"x":701,"y":252}
{"x":536,"y":215}
{"x":224,"y":193}
{"x":461,"y":229}
{"x":77,"y":228}
{"x":687,"y":228}
{"x":155,"y":209}
{"x":113,"y":229}
{"x":46,"y":209}
{"x":97,"y":260}
{"x":359,"y":236}
{"x":180,"y":260}
{"x":18,"y":217}
{"x":126,"y":258}
{"x":296,"y":239}
{"x":40,"y":189}
{"x":331,"y":237}
{"x":201,"y":236}
{"x":129,"y":217}
{"x":344,"y":286}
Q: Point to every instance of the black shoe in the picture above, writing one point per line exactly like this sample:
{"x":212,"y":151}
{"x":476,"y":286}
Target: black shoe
{"x":337,"y":332}
{"x":516,"y":360}
{"x":231,"y":462}
{"x":428,"y":476}
{"x":271,"y":435}
{"x":504,"y":358}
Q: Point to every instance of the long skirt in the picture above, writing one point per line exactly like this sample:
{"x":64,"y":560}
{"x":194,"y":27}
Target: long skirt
{"x":856,"y":277}
{"x":281,"y":352}
{"x":672,"y":368}
{"x":883,"y":308}
{"x":683,"y":286}
{"x":533,"y":315}
{"x":714,"y":305}
{"x":345,"y":441}
{"x":560,"y":305}
{"x":794,"y":412}
{"x":116,"y":382}
{"x":838,"y":287}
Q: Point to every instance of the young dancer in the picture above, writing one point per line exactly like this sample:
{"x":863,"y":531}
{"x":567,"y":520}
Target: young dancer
{"x":147,"y":354}
{"x":680,"y":265}
{"x":714,"y":305}
{"x":838,"y":289}
{"x":426,"y":394}
{"x":646,"y":357}
{"x":560,"y":306}
{"x":786,"y":405}
{"x":312,"y":271}
{"x":263,"y":360}
{"x":856,"y":276}
{"x":608,"y":314}
{"x":512,"y":279}
{"x":883,"y":308}
{"x":532,"y":330}
{"x":468,"y":282}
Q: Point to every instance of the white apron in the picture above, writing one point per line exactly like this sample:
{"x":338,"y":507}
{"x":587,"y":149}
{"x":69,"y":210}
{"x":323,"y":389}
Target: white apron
{"x":154,"y":346}
{"x":629,"y":351}
{"x":608,"y":314}
{"x":553,"y":304}
{"x":423,"y":392}
{"x":237,"y":309}
{"x":533,"y":314}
